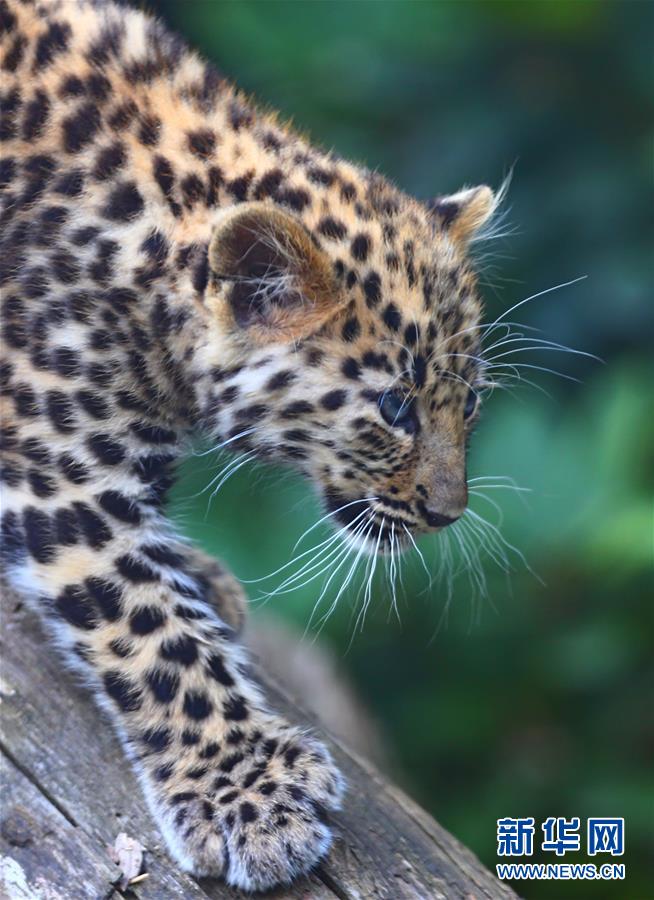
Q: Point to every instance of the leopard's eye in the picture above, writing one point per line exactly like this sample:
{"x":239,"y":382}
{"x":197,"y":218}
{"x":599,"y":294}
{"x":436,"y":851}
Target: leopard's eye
{"x":397,"y":410}
{"x":471,"y":404}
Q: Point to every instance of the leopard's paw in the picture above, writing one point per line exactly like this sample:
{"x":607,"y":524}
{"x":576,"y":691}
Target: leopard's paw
{"x":261,"y":818}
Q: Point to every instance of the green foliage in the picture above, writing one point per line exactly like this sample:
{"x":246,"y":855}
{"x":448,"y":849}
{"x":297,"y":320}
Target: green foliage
{"x":535,"y":700}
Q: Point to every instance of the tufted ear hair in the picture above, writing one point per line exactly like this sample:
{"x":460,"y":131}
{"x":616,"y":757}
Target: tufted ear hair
{"x":273,"y":279}
{"x":463,"y":214}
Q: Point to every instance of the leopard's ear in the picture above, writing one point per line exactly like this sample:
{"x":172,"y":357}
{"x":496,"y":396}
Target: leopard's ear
{"x":267,"y":275}
{"x":463,"y":214}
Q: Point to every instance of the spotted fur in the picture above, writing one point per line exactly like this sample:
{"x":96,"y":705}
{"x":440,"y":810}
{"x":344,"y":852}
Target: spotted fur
{"x":172,"y":261}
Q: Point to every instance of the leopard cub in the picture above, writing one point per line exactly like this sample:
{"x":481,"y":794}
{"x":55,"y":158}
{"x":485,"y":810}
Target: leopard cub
{"x":173,"y":261}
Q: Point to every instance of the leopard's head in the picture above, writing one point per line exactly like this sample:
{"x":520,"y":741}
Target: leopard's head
{"x":349,"y":346}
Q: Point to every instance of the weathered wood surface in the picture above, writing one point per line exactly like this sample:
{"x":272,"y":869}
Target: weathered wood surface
{"x":67,"y":793}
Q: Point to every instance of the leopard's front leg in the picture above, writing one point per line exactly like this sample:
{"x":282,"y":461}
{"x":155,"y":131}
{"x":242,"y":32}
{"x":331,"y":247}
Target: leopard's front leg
{"x":221,"y":589}
{"x":236,"y":790}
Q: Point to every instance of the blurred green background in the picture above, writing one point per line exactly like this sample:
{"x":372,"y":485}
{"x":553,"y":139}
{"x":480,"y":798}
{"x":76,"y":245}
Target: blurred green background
{"x":537,"y":699}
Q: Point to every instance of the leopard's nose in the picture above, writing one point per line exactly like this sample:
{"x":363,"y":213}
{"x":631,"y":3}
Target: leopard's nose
{"x":437,"y":519}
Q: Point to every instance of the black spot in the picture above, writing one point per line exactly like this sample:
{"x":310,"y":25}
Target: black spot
{"x":200,"y":275}
{"x":197,"y":705}
{"x":124,"y":203}
{"x":271,"y":141}
{"x":235,"y":709}
{"x":109,"y":161}
{"x":163,"y":773}
{"x":297,"y":409}
{"x":182,"y":650}
{"x":108,"y":451}
{"x":7,"y":171}
{"x":36,"y":114}
{"x":122,"y":115}
{"x":35,"y":450}
{"x":11,"y":474}
{"x":122,"y":690}
{"x":39,"y":538}
{"x":98,"y":86}
{"x":217,"y":670}
{"x":101,"y":374}
{"x":165,"y":178}
{"x":75,"y":471}
{"x":332,"y":228}
{"x":333,"y":399}
{"x":392,"y":317}
{"x":50,"y":223}
{"x":190,"y":738}
{"x":351,"y":329}
{"x":15,"y":53}
{"x":121,"y":647}
{"x":64,"y":266}
{"x":120,"y":507}
{"x":361,"y":247}
{"x":9,"y":106}
{"x":42,"y":484}
{"x":238,"y":187}
{"x":202,"y":143}
{"x":372,"y":360}
{"x":157,"y":739}
{"x":320,"y":176}
{"x":252,"y":776}
{"x":411,"y":334}
{"x":192,"y":190}
{"x":95,"y":529}
{"x":152,"y":468}
{"x":156,"y":247}
{"x":372,"y":289}
{"x":53,"y":42}
{"x":348,"y":192}
{"x":83,"y":236}
{"x":351,"y":368}
{"x":70,"y":184}
{"x":146,"y":619}
{"x":290,"y":756}
{"x":66,"y":362}
{"x":240,"y":116}
{"x":215,"y":179}
{"x":7,"y":19}
{"x":161,"y":554}
{"x":164,"y":685}
{"x":72,"y":86}
{"x":93,"y":404}
{"x":149,"y":130}
{"x":208,"y":752}
{"x":228,"y":797}
{"x":231,"y":761}
{"x":74,"y":605}
{"x":248,"y":812}
{"x":419,"y":371}
{"x":107,"y":597}
{"x":152,"y":434}
{"x":81,"y":128}
{"x":296,"y":198}
{"x":277,"y":381}
{"x":12,"y":539}
{"x":180,"y":818}
{"x":268,"y":184}
{"x":135,"y":570}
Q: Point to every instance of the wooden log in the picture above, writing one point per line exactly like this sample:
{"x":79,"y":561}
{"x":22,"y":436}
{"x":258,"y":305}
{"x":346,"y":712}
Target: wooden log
{"x":68,"y":792}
